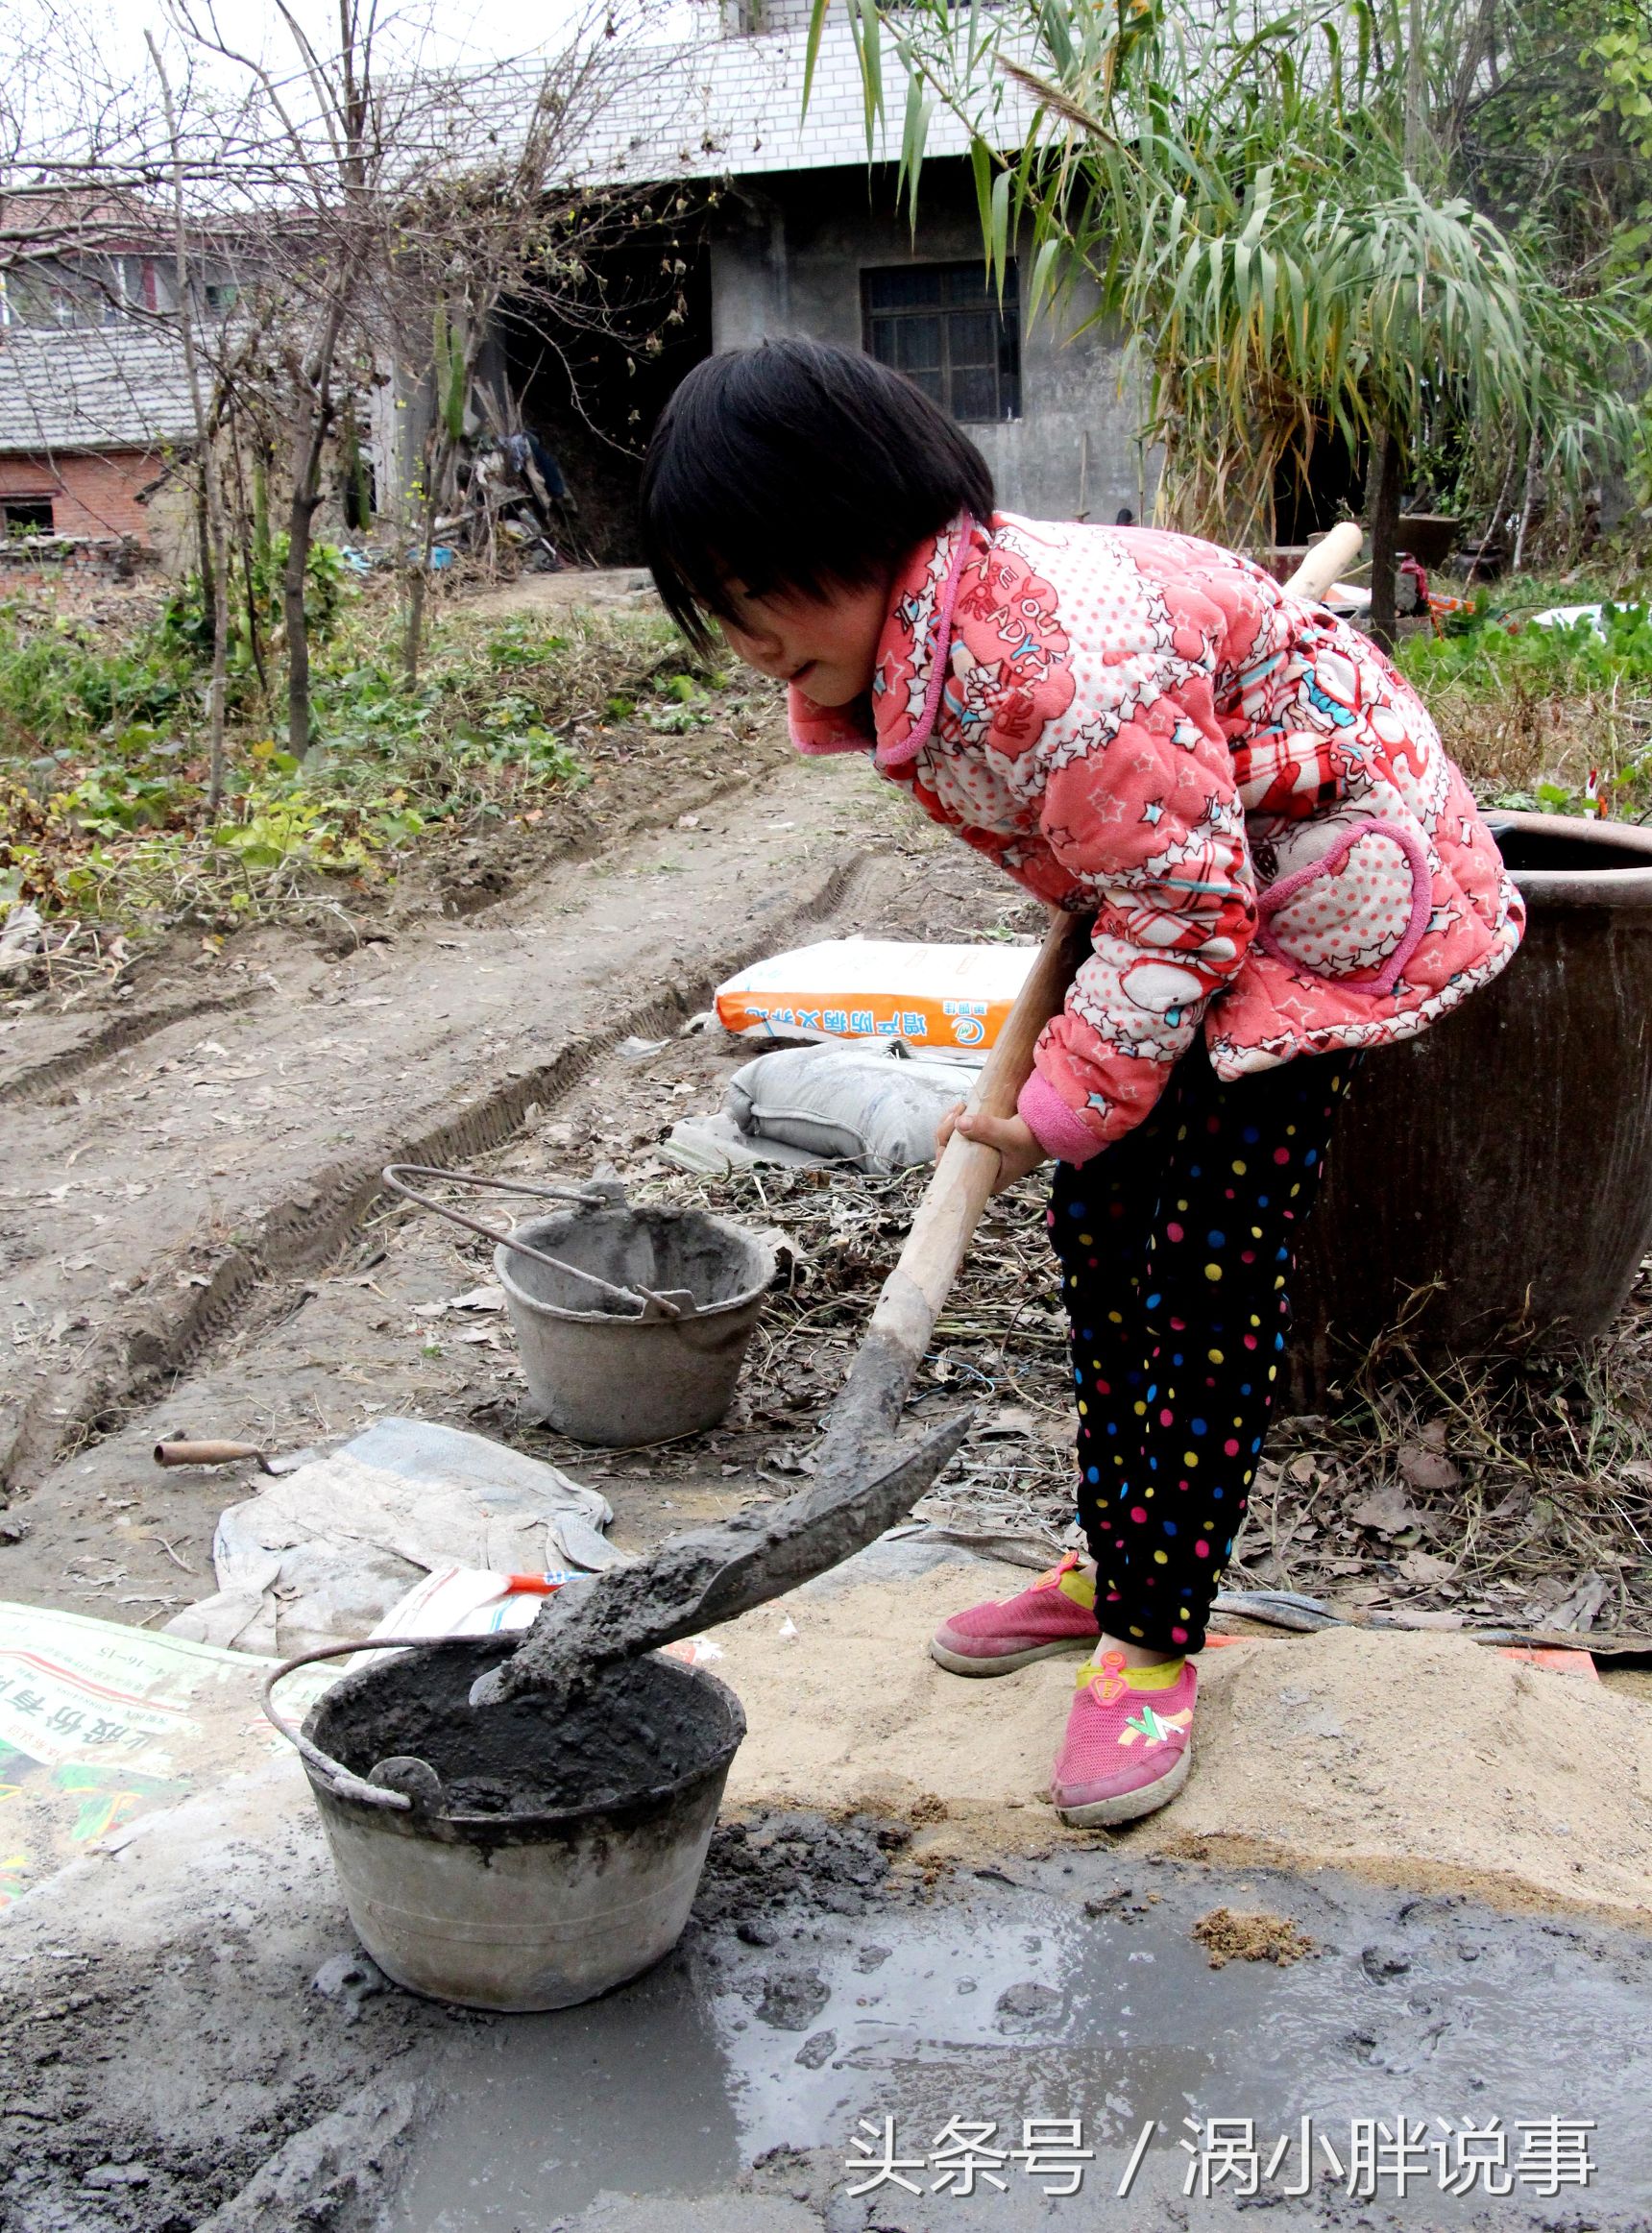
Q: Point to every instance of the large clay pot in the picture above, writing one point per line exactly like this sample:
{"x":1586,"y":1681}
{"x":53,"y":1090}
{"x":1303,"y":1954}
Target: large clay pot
{"x":1428,"y":536}
{"x":1503,"y":1160}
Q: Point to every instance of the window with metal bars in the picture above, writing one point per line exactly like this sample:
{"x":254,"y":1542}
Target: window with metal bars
{"x":945,"y":326}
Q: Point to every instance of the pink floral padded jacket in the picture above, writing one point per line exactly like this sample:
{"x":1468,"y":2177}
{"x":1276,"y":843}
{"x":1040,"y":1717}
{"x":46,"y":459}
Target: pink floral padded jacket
{"x":1254,"y":803}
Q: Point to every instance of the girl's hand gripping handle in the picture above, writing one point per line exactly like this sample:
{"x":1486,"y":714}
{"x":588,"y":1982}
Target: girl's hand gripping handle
{"x":986,"y":1125}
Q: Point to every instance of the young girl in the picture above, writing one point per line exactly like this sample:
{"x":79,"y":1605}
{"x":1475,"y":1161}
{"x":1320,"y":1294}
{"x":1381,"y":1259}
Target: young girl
{"x":1284,"y":869}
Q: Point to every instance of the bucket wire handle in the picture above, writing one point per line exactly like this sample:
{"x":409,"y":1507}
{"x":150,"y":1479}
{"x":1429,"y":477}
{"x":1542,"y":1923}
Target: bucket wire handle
{"x":337,"y":1777}
{"x":642,"y":1298}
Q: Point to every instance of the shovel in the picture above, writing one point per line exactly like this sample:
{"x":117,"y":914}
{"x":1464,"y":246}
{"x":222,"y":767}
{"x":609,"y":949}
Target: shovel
{"x":864,"y":1480}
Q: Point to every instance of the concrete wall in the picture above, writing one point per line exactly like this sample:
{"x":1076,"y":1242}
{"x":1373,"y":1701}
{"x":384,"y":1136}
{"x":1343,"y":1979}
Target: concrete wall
{"x":788,"y":258}
{"x":91,"y":495}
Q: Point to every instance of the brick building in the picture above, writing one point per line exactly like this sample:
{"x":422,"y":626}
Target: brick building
{"x":94,"y":397}
{"x":88,"y":417}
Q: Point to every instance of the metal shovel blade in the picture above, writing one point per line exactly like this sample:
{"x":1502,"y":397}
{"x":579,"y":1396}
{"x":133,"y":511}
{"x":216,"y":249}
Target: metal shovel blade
{"x":715,"y":1573}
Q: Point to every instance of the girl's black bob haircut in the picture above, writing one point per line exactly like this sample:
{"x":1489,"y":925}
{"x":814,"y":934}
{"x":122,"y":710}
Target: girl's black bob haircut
{"x":795,"y":466}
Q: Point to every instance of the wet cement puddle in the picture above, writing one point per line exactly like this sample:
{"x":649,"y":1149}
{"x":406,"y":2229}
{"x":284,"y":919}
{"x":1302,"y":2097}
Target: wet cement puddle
{"x":1426,"y":2049}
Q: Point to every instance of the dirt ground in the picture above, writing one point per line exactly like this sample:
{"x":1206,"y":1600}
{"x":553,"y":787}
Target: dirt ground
{"x":197,"y":1242}
{"x":196,"y":1238}
{"x":603,"y":589}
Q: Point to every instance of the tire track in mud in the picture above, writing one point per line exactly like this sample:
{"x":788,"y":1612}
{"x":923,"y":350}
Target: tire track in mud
{"x":66,"y":1064}
{"x":153,"y":1340}
{"x":463,"y":904}
{"x":51,"y":1072}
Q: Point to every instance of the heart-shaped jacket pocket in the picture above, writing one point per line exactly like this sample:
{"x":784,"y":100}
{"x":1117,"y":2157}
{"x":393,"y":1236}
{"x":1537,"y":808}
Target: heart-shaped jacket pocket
{"x":1356,"y":913}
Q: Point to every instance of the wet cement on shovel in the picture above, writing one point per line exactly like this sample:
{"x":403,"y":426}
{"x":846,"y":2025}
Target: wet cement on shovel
{"x":692,"y":1580}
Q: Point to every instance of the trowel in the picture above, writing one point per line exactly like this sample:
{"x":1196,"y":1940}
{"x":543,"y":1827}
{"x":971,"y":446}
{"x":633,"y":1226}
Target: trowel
{"x":171,"y":1451}
{"x":865,"y":1479}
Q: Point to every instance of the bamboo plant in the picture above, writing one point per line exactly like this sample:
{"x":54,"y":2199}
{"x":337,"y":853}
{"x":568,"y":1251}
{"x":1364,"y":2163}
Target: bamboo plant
{"x":1258,"y":201}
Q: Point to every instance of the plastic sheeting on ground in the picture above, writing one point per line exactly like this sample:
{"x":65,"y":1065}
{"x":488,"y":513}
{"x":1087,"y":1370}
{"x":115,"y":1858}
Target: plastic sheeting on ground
{"x":322,"y":1553}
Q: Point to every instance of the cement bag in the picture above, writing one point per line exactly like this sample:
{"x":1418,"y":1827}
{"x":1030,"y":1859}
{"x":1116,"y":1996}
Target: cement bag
{"x":875,"y":1107}
{"x":713,"y":1146}
{"x":944,"y":997}
{"x":101,"y":1723}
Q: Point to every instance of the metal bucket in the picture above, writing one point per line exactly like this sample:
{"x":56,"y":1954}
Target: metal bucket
{"x":506,"y":1910}
{"x":620,"y":1380}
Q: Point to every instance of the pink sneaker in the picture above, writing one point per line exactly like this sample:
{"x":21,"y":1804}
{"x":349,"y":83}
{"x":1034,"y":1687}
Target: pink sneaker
{"x":1126,"y":1752}
{"x":1058,"y":1613}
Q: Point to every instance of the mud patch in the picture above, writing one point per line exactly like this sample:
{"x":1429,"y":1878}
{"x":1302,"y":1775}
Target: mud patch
{"x":1227,"y":1936}
{"x":792,"y":1999}
{"x":167,"y":2011}
{"x":164,"y":2054}
{"x":775,"y":1860}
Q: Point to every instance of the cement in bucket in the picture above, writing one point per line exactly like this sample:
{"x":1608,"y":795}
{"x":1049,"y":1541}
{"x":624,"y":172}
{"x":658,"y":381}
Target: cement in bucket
{"x":566,"y":1847}
{"x":620,"y":1380}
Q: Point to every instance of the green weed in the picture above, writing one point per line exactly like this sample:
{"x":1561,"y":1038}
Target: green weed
{"x":103,"y":796}
{"x":1556,"y":719}
{"x":1488,"y":651}
{"x":61,"y":687}
{"x":184,"y":626}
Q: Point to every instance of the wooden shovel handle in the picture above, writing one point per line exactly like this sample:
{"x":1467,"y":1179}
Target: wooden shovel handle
{"x":870,"y":1403}
{"x":967,"y":1170}
{"x":1330,"y":556}
{"x":208,"y":1453}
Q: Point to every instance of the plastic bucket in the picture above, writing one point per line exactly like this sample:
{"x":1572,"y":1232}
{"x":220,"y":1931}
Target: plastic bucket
{"x":509,"y":1908}
{"x":620,"y":1380}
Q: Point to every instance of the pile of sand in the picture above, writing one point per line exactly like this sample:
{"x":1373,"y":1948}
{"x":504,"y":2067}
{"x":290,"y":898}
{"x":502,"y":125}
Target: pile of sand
{"x":1423,"y":1759}
{"x":1230,"y":1936}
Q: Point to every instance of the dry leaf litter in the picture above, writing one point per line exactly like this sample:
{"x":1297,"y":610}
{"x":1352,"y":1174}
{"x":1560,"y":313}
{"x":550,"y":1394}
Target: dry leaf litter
{"x":1504,"y":1490}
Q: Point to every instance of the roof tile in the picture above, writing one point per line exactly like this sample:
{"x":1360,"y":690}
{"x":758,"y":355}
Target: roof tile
{"x":120,"y":386}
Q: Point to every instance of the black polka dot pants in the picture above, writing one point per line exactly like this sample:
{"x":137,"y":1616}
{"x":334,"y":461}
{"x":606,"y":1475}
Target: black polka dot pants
{"x":1176,"y":1246}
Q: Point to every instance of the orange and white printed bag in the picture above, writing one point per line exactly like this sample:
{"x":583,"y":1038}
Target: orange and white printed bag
{"x":877,"y":988}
